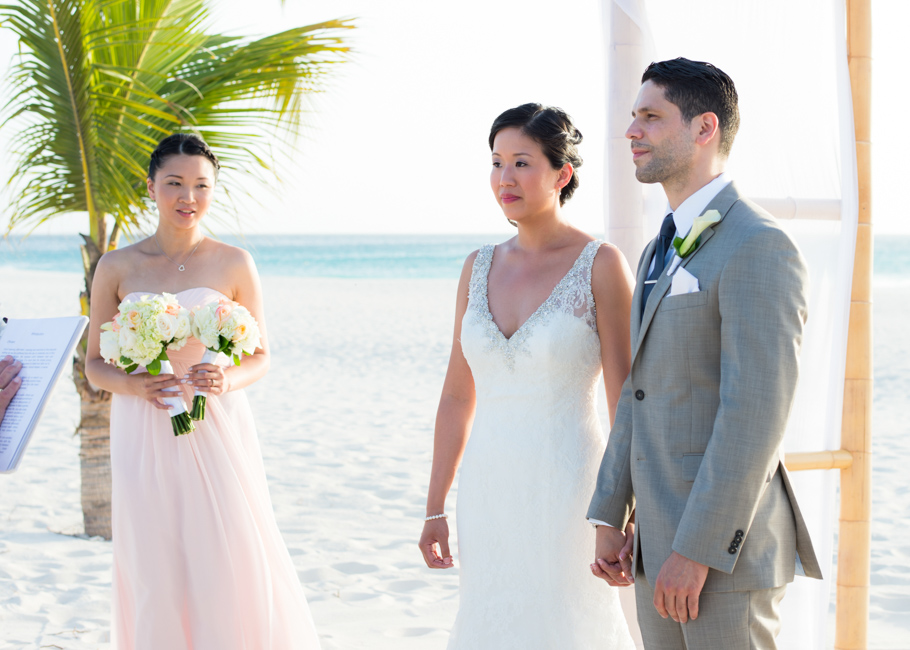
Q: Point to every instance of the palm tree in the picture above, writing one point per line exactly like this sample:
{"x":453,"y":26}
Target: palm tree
{"x":96,"y":85}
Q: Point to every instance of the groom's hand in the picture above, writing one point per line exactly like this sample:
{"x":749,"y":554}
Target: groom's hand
{"x":613,"y":557}
{"x":678,"y":587}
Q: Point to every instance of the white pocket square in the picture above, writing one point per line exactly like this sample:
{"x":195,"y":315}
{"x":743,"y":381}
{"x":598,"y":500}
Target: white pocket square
{"x":683,"y":282}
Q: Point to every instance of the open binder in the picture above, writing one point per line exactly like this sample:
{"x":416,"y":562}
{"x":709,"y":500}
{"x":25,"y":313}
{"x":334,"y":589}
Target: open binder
{"x":45,"y":347}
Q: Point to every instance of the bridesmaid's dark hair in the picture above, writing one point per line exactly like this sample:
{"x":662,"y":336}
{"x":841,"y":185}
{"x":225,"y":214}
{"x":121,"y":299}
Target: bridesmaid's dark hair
{"x":552,"y":129}
{"x":188,"y":144}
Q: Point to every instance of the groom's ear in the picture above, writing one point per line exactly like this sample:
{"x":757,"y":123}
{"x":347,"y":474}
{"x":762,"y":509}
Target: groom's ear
{"x":706,"y":128}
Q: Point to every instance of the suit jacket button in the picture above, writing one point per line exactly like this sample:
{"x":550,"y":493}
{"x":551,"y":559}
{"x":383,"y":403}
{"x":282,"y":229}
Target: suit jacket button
{"x":739,"y":533}
{"x":639,"y":395}
{"x":731,"y":550}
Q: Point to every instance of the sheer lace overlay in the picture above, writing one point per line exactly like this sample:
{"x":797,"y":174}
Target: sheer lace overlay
{"x":572,"y":295}
{"x":527,"y":476}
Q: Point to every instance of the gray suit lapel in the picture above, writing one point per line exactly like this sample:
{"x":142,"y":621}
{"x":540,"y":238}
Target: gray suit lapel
{"x":725,"y":200}
{"x":640,"y":287}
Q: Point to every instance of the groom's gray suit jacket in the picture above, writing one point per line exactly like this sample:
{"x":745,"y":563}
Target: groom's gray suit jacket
{"x":695,"y":447}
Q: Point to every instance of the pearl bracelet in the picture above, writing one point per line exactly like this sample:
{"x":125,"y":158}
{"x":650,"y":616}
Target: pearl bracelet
{"x":432,"y":517}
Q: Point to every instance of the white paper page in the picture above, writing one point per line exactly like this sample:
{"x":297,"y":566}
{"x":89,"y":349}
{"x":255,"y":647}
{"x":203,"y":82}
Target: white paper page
{"x":41,"y":345}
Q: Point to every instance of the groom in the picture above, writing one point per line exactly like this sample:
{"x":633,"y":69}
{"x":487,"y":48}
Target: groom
{"x":717,"y":320}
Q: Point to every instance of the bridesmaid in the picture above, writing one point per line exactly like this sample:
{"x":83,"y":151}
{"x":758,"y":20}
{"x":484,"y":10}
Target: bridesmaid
{"x":199,"y":561}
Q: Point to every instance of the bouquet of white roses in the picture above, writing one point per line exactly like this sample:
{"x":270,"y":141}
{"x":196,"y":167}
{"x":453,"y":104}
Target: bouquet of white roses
{"x":141,"y":334}
{"x":227,"y":328}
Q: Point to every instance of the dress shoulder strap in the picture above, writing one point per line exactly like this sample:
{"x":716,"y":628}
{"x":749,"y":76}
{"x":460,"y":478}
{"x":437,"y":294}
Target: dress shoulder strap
{"x":477,"y":287}
{"x":582,"y":277}
{"x":586,"y":259}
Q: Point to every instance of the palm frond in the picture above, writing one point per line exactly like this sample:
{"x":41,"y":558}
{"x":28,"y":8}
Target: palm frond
{"x":100,"y":82}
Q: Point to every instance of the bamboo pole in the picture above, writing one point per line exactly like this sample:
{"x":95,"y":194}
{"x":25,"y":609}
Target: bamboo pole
{"x":854,"y":541}
{"x":800,"y":461}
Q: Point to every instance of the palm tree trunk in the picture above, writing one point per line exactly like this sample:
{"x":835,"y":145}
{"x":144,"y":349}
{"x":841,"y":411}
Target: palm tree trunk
{"x":95,"y":422}
{"x":95,"y":461}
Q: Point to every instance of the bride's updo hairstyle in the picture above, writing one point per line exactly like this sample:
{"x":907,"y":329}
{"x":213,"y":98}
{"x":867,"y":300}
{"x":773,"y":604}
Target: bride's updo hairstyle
{"x":552,"y":129}
{"x":188,"y":144}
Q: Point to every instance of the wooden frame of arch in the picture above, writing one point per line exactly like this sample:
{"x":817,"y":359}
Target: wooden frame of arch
{"x":854,"y":459}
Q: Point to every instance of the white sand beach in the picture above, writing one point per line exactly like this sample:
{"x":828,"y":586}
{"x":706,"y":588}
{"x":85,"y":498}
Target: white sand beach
{"x":345,"y":418}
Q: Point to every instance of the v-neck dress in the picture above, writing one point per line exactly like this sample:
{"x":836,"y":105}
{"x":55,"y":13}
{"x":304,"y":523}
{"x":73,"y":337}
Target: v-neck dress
{"x":528,"y":474}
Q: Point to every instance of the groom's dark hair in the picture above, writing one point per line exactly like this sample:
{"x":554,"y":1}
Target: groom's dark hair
{"x":697,"y":87}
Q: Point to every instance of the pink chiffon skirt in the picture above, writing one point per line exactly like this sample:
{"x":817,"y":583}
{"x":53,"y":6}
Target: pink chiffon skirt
{"x":199,"y":562}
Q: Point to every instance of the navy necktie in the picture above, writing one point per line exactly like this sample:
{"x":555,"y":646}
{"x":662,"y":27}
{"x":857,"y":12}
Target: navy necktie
{"x":667,"y":231}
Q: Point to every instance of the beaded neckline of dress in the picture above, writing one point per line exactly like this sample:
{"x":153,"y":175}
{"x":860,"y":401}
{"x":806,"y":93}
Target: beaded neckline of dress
{"x":574,"y":288}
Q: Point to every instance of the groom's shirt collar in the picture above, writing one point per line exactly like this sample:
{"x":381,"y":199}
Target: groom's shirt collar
{"x":695,"y":205}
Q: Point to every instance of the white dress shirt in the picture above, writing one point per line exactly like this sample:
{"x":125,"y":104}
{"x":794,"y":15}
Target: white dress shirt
{"x":683,"y":218}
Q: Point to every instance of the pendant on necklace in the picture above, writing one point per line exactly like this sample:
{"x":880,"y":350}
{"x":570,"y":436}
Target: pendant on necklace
{"x":181,"y":268}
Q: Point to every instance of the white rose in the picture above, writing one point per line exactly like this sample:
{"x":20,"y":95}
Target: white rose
{"x":110,"y":346}
{"x":128,"y":341}
{"x":183,"y":325}
{"x":205,"y":327}
{"x":167,"y":326}
{"x":249,"y":344}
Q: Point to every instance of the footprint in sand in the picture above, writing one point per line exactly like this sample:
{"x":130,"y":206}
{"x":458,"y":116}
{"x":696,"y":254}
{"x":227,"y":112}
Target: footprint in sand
{"x":404,"y":586}
{"x":411,"y":631}
{"x":355,"y":568}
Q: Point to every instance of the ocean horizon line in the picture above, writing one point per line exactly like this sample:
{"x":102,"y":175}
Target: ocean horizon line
{"x":406,"y":256}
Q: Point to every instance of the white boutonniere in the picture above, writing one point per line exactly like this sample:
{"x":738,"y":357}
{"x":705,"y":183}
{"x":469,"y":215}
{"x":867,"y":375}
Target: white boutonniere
{"x":684,"y":247}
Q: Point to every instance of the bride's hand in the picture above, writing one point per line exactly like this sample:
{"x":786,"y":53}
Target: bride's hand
{"x":208,"y":378}
{"x":434,"y":544}
{"x":610,"y":564}
{"x":152,"y":388}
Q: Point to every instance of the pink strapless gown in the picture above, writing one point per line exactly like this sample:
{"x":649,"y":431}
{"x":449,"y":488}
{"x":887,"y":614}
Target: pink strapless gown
{"x":199,"y":562}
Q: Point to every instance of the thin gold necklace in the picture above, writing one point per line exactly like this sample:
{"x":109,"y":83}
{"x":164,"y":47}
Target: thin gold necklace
{"x":180,"y":267}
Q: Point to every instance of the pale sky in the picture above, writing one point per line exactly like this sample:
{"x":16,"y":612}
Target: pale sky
{"x":400,"y":138}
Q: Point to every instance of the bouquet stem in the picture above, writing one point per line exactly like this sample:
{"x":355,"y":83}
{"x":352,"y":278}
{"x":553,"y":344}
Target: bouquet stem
{"x":180,"y":419}
{"x":198,"y":412}
{"x":182,"y":424}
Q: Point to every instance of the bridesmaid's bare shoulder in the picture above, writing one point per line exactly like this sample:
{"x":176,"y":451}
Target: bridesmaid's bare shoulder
{"x":116,"y":265}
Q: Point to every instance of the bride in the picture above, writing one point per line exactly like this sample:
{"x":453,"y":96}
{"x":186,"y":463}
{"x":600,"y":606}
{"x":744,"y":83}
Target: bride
{"x":199,"y":561}
{"x":538,"y":318}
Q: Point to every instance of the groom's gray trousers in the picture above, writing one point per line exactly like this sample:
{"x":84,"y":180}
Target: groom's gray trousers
{"x":727,"y":620}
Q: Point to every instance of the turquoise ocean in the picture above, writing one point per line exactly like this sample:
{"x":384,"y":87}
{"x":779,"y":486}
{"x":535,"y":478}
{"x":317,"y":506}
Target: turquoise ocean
{"x":360,"y":256}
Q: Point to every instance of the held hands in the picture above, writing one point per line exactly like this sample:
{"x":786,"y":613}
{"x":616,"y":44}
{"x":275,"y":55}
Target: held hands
{"x":208,"y":378}
{"x":434,"y":544}
{"x":613,"y":555}
{"x":678,"y":587}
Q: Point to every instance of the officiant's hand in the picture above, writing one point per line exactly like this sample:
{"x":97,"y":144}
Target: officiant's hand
{"x":434,"y":544}
{"x":613,"y":555}
{"x":678,"y":587}
{"x":152,"y":387}
{"x":9,"y":382}
{"x":208,"y":378}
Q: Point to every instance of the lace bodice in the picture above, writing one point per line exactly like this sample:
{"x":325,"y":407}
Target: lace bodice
{"x":572,"y":297}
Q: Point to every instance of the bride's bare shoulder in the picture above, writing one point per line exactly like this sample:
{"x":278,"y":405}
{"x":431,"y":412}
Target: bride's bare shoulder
{"x":610,"y":272}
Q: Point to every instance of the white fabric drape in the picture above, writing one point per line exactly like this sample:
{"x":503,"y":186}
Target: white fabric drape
{"x":795,"y":147}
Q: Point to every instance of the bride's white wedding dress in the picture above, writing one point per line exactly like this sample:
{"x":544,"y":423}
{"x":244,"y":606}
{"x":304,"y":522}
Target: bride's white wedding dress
{"x":528,"y":474}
